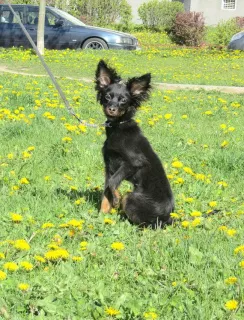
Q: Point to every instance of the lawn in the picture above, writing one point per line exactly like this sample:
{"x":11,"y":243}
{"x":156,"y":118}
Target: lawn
{"x":62,"y":259}
{"x":166,"y":62}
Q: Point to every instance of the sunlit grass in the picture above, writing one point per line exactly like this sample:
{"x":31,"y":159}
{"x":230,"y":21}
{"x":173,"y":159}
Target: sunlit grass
{"x":169,"y":64}
{"x":60,"y":258}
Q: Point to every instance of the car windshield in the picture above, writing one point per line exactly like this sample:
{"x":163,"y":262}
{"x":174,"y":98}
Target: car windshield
{"x":68,"y":17}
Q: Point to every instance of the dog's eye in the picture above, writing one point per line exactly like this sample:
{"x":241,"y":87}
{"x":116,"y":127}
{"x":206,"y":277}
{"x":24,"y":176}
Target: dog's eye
{"x":107,"y":96}
{"x":123,"y":100}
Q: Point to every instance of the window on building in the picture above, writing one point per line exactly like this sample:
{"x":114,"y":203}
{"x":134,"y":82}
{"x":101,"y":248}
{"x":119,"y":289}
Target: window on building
{"x":229,"y":4}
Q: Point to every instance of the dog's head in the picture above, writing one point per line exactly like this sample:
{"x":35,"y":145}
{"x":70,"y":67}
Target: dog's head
{"x":120,"y":99}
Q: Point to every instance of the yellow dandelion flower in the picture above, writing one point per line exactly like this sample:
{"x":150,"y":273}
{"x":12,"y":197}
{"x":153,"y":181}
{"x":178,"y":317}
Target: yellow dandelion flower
{"x":15,"y":188}
{"x":174,"y":284}
{"x":10,"y":156}
{"x":117,"y":246}
{"x":47,"y":225}
{"x":3,"y":275}
{"x":23,"y":286}
{"x":188,"y":170}
{"x":168,"y":116}
{"x":231,"y":304}
{"x":200,"y":176}
{"x":83,"y":245}
{"x":177,"y":164}
{"x":75,"y":223}
{"x":67,"y":177}
{"x":231,"y":232}
{"x":2,"y":256}
{"x":208,"y":113}
{"x":150,"y":315}
{"x":239,"y":249}
{"x":184,"y":116}
{"x":11,"y":266}
{"x":40,"y":259}
{"x":189,"y":200}
{"x":185,"y":224}
{"x":21,"y":244}
{"x":26,"y":265}
{"x":54,"y":255}
{"x":241,"y":264}
{"x":196,"y":214}
{"x":26,"y":155}
{"x":179,"y":181}
{"x":112,"y":211}
{"x":175,"y":215}
{"x":31,"y":148}
{"x":212,"y":204}
{"x":77,"y":258}
{"x":224,"y":144}
{"x":24,"y":181}
{"x":231,"y":280}
{"x":196,"y":222}
{"x":108,"y":221}
{"x":222,"y":228}
{"x":47,"y":178}
{"x":222,"y":184}
{"x":79,"y":201}
{"x":16,"y":217}
{"x":111,"y":311}
{"x":66,"y":139}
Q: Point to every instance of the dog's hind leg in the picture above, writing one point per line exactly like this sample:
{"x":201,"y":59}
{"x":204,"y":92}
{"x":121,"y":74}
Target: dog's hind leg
{"x":144,"y":212}
{"x":138,"y":210}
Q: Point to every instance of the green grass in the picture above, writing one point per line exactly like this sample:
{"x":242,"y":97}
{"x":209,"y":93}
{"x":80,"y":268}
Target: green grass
{"x":171,"y":65}
{"x":176,"y":273}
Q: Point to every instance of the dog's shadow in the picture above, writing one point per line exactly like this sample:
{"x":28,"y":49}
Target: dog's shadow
{"x":93,"y":196}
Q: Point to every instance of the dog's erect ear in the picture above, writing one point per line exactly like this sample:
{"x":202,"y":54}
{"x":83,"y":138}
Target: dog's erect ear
{"x":139,"y":87}
{"x":105,"y":75}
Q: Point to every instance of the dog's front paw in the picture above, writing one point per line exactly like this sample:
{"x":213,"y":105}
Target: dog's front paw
{"x":105,"y":205}
{"x":116,"y":199}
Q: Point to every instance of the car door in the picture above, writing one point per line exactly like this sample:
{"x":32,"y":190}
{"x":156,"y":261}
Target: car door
{"x":10,"y":32}
{"x":55,"y":36}
{"x":57,"y":31}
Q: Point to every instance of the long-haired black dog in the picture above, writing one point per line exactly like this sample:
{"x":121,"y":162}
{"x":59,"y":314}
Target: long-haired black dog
{"x":128,"y":154}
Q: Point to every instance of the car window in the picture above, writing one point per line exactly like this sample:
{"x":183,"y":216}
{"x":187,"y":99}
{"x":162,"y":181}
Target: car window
{"x":32,"y":16}
{"x":8,"y":17}
{"x":51,"y":18}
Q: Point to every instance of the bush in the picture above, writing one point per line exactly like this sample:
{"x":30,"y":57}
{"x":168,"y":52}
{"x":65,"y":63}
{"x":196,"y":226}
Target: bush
{"x":159,"y":15}
{"x":220,"y":35}
{"x":240,"y":22}
{"x":105,"y":12}
{"x":188,"y":28}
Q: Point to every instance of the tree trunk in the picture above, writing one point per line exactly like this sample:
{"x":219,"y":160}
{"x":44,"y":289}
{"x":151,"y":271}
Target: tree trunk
{"x":41,"y":26}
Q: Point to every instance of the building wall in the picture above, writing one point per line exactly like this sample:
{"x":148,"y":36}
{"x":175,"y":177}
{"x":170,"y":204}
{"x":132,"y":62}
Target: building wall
{"x":135,"y":4}
{"x":213,"y":12}
{"x":212,"y":9}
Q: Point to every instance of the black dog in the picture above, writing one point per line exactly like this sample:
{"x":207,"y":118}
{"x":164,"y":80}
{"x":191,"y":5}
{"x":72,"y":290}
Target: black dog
{"x":128,"y":154}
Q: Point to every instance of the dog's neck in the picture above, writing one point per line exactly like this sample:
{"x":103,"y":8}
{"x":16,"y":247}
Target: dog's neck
{"x":111,"y":124}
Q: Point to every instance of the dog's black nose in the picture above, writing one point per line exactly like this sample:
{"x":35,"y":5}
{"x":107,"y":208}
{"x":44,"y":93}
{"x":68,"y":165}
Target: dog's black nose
{"x":112,"y":109}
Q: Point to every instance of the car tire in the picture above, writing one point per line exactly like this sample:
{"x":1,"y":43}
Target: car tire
{"x":95,"y":44}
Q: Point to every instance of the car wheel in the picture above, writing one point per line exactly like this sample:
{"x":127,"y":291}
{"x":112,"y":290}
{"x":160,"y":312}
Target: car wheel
{"x":95,"y":44}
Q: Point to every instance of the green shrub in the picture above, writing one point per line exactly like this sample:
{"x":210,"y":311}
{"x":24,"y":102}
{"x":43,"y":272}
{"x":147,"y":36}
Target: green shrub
{"x":221,"y":34}
{"x":188,"y":29}
{"x":105,"y":12}
{"x":159,"y":15}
